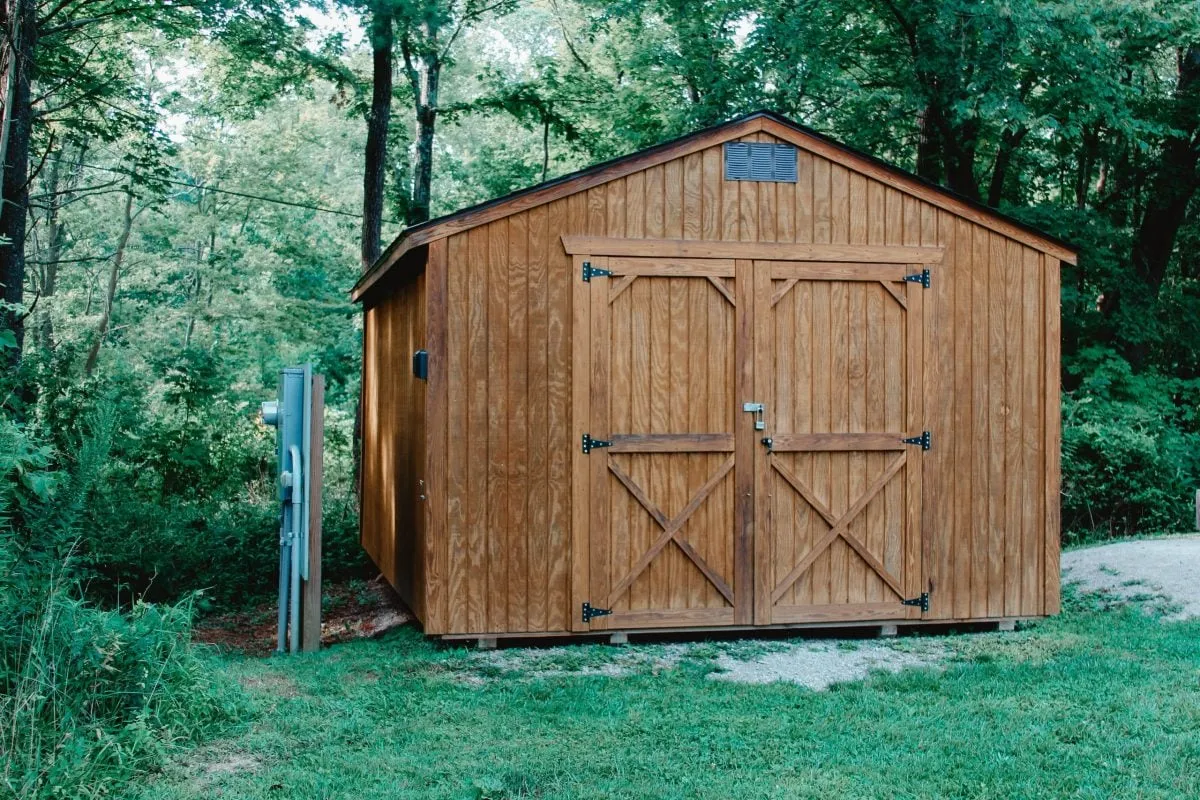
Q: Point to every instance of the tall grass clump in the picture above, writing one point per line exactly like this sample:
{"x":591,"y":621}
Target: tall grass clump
{"x":89,"y":697}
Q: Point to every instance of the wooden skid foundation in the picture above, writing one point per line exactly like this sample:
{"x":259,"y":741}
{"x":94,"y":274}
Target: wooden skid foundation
{"x":836,"y":630}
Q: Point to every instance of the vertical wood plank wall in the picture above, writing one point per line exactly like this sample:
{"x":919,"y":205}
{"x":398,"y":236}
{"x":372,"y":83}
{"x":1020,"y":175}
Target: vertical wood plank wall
{"x":502,"y":560}
{"x":393,"y":459}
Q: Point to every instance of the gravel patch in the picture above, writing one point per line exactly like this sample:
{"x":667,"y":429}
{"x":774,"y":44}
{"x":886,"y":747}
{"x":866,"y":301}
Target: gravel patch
{"x":819,"y":665}
{"x":816,"y":664}
{"x":1131,"y":570}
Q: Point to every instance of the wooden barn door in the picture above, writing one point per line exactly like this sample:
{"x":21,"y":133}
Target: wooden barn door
{"x":839,"y":369}
{"x":666,"y":488}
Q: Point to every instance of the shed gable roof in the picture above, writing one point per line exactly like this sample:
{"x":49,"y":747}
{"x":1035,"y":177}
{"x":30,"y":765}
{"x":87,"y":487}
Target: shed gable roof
{"x":764,"y":121}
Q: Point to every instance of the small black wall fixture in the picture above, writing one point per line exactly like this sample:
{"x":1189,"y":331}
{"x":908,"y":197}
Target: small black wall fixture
{"x":421,"y":364}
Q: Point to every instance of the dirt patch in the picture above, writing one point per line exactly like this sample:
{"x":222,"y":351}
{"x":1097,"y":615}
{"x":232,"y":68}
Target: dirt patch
{"x":819,"y":665}
{"x":272,"y":683}
{"x":1142,"y":570}
{"x":233,"y":764}
{"x":558,"y":662}
{"x":354,"y":610}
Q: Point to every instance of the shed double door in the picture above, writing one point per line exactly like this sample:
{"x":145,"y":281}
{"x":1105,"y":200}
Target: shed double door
{"x":691,"y":510}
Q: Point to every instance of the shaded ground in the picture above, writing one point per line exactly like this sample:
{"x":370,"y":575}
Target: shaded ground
{"x":354,"y":610}
{"x":1146,"y":569}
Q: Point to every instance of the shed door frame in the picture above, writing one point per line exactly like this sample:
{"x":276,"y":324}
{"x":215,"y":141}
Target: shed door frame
{"x":589,"y":381}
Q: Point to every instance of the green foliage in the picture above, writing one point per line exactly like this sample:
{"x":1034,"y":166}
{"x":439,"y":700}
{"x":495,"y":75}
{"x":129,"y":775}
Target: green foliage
{"x":1131,"y":450}
{"x":88,"y":697}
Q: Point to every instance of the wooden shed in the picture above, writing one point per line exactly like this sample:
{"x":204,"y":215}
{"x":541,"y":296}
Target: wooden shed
{"x":747,"y":378}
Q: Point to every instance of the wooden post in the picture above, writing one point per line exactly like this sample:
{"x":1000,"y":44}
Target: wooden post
{"x":310,"y":591}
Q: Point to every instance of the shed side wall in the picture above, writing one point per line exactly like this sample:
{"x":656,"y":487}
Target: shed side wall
{"x":989,"y":497}
{"x":393,"y":430}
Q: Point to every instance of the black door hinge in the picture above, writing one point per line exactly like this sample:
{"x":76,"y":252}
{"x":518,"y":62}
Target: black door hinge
{"x":922,"y":602}
{"x":921,"y":277}
{"x":590,"y":444}
{"x":923,"y":440}
{"x":590,"y":612}
{"x":590,"y":272}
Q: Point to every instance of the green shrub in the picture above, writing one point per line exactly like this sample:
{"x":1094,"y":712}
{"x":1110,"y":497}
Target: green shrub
{"x":88,"y":697}
{"x":1131,"y":454}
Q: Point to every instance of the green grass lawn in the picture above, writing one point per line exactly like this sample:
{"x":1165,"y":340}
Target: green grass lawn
{"x":1098,"y":703}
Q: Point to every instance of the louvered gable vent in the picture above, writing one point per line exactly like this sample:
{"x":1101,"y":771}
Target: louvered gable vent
{"x":759,"y":161}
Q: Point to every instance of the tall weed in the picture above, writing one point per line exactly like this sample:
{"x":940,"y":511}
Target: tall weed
{"x":88,"y":697}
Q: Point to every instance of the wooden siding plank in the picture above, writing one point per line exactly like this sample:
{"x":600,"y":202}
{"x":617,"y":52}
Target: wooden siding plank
{"x":710,"y":194}
{"x":857,"y":575}
{"x":1014,"y":456}
{"x":692,"y":211}
{"x":980,"y":531}
{"x":763,"y":371}
{"x":437,"y":444}
{"x":964,"y":438}
{"x":996,"y":361}
{"x":517,"y":473}
{"x":457,"y":434}
{"x":743,"y":548}
{"x":677,"y":476}
{"x":804,"y":198}
{"x":560,"y":432}
{"x":497,"y":528}
{"x":699,"y":529}
{"x":660,"y":422}
{"x":672,"y":200}
{"x":581,"y":419}
{"x":537,"y":495}
{"x":640,"y":402}
{"x":937,"y":468}
{"x":1033,"y":428}
{"x":1052,"y":447}
{"x":477,"y":431}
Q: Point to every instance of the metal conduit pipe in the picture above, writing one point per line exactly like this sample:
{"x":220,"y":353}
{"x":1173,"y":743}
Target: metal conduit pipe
{"x":297,"y":503}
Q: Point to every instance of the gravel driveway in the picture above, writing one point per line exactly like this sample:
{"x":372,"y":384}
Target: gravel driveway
{"x":1168,"y":566}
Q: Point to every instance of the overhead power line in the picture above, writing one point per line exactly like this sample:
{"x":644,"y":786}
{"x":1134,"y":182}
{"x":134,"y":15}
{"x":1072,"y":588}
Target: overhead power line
{"x":233,"y":192}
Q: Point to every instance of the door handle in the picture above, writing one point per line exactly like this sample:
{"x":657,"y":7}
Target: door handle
{"x":758,"y":410}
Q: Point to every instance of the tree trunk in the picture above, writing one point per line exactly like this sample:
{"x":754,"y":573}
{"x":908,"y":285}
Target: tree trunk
{"x":378,"y":119}
{"x":21,"y":28}
{"x":427,"y":100}
{"x":958,"y":153}
{"x":1176,"y":180}
{"x":1010,"y":140}
{"x":59,"y":190}
{"x":929,"y":162}
{"x":114,"y":273}
{"x":1088,"y":152}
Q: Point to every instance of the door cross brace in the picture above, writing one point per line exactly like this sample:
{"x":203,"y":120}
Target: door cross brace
{"x":670,"y":532}
{"x":839,"y":527}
